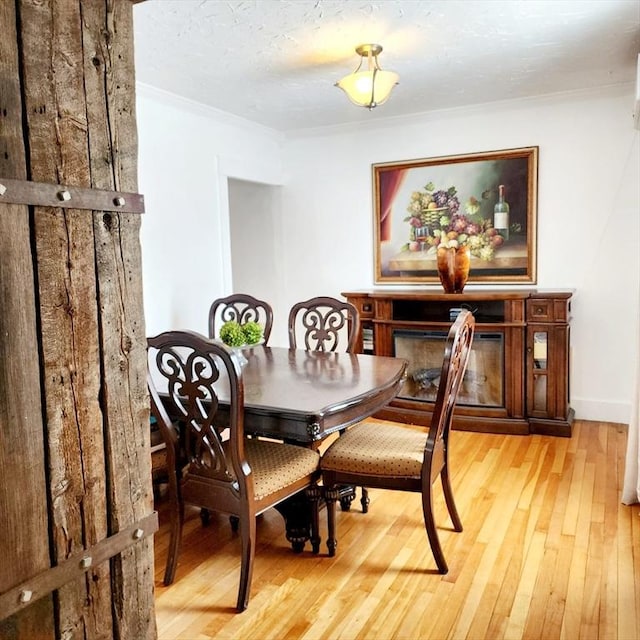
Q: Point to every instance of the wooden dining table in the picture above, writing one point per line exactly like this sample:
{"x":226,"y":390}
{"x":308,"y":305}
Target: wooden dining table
{"x":303,"y":396}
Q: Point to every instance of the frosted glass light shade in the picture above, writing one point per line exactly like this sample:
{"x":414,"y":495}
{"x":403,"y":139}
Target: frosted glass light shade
{"x":369,"y":88}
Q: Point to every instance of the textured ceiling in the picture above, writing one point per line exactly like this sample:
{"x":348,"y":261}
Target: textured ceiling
{"x":275,"y":62}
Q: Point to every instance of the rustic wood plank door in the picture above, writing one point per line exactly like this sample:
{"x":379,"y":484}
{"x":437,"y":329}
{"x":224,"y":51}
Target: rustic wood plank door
{"x":74,"y":436}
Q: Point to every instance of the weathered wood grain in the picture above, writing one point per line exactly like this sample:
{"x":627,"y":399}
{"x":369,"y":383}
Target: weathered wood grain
{"x":76,"y":80}
{"x":58,"y":142}
{"x":24,"y":540}
{"x":110,"y":86}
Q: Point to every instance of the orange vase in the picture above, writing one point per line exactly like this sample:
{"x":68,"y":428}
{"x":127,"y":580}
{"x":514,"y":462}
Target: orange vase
{"x":453,"y":268}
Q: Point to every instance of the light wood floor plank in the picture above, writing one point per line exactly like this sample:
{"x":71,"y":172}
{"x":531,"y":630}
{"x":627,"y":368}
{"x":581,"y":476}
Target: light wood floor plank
{"x":541,"y":594}
{"x":525,"y":589}
{"x":547,"y":552}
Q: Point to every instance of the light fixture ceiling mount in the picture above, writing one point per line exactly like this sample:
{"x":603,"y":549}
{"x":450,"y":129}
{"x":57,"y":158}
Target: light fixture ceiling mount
{"x":372,"y":86}
{"x":365,"y":49}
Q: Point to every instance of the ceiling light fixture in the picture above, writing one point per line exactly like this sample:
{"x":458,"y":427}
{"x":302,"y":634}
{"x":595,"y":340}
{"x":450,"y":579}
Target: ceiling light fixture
{"x":370,"y":87}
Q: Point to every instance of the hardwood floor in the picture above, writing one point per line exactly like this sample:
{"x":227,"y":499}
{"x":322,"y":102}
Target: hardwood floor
{"x":548,"y":551}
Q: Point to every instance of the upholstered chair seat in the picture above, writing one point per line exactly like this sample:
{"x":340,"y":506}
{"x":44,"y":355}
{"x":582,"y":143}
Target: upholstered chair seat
{"x":386,"y":450}
{"x":276,"y":465}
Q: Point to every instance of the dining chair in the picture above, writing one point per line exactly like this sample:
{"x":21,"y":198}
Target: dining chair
{"x":211,"y":464}
{"x":394,"y":456}
{"x":242,"y":308}
{"x":324,"y":323}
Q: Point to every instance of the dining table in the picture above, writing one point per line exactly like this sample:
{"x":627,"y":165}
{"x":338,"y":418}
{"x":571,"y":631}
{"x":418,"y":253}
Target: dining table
{"x":304,"y":396}
{"x":301,"y":397}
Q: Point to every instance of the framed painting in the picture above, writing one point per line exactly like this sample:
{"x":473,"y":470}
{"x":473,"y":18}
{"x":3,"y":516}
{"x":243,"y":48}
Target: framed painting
{"x":487,"y":201}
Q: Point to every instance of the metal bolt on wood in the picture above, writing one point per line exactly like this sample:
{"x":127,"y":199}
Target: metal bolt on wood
{"x":26,"y":595}
{"x":46,"y":194}
{"x":137,"y":534}
{"x":85,"y":563}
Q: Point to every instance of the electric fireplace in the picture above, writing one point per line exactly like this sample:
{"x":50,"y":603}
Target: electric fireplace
{"x":517,"y":378}
{"x":483,"y":383}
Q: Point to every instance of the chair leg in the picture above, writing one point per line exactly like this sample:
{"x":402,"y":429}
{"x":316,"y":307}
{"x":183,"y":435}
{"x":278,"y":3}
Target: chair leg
{"x":248,"y":538}
{"x":448,"y":496}
{"x":331,"y":496}
{"x":364,"y":501}
{"x":176,"y":516}
{"x":432,"y":533}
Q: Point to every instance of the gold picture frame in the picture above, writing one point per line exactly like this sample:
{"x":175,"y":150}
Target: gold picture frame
{"x":418,"y":203}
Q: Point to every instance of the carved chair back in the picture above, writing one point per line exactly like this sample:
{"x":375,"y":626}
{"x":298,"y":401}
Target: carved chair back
{"x":323,"y":324}
{"x":242,"y":308}
{"x":383,"y":455}
{"x":211,"y":464}
{"x":187,"y":365}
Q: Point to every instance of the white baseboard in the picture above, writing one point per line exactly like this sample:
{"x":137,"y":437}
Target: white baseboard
{"x":601,"y":410}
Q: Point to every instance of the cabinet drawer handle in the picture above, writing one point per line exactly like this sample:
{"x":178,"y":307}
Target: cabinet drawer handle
{"x":540,"y":310}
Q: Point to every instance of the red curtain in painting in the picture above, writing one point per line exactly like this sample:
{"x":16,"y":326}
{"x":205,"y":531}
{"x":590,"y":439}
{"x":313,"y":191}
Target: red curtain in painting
{"x":390,"y":182}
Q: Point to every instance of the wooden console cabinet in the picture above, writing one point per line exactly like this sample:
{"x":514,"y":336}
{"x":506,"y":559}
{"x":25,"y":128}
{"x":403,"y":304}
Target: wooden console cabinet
{"x":517,"y":380}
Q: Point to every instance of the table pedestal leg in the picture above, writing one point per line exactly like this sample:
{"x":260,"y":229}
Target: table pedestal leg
{"x":297,"y":514}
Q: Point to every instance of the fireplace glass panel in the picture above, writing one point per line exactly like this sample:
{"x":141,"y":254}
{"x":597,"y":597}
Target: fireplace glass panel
{"x":540,"y":341}
{"x":483,"y":382}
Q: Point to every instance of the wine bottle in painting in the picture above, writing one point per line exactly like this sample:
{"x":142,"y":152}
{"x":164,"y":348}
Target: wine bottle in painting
{"x":501,"y":214}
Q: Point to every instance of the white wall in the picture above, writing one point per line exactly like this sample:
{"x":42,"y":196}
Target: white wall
{"x":588,"y":211}
{"x":255,"y":222}
{"x":187,"y":153}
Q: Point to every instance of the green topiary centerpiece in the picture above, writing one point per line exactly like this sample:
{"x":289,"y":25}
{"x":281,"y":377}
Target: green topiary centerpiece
{"x":252,"y":332}
{"x":233,"y":334}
